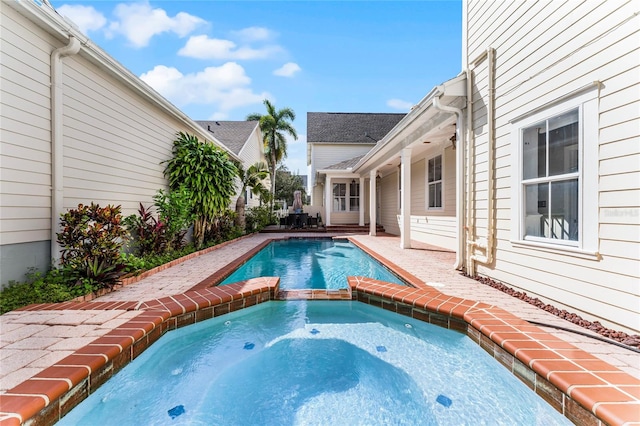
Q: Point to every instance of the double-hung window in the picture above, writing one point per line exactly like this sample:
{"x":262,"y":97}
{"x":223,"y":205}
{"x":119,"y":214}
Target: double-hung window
{"x":344,"y":200}
{"x":354,"y":196}
{"x":339,"y":197}
{"x":555,"y":180}
{"x":434,"y":182}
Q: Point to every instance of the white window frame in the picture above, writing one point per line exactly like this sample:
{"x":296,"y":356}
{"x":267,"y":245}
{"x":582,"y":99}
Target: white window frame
{"x":428,"y":184}
{"x":336,"y":206}
{"x":347,"y":197}
{"x":587,"y":104}
{"x":354,"y":197}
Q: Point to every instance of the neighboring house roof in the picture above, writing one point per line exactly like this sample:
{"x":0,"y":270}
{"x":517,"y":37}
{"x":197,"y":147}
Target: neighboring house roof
{"x":346,"y":164}
{"x":233,"y":134}
{"x":349,"y":127}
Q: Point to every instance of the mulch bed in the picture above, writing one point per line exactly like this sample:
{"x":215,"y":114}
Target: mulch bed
{"x":618,"y":336}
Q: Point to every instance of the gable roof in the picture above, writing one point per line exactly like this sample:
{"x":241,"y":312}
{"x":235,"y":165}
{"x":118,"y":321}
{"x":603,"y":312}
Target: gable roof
{"x":233,"y":134}
{"x":350,"y":127}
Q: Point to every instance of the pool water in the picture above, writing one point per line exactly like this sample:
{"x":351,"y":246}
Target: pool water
{"x":312,"y":264}
{"x":314,"y":363}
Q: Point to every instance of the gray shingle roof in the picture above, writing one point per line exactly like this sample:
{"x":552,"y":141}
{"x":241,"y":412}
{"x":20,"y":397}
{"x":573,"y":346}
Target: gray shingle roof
{"x":346,"y":164}
{"x":233,"y":134}
{"x":349,"y":127}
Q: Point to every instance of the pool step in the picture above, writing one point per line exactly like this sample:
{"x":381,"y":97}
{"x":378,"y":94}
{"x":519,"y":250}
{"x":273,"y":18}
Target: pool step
{"x":353,"y":229}
{"x":315,"y":294}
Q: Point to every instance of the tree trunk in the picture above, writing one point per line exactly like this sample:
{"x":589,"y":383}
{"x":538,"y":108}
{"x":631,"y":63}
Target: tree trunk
{"x":241,"y":219}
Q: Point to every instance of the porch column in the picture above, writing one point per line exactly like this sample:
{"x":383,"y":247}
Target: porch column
{"x":328,"y":190}
{"x":361,"y":202}
{"x":372,"y":202}
{"x":405,"y":200}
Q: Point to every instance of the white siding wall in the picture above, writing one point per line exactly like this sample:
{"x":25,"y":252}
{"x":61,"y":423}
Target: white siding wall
{"x":435,"y":227}
{"x":114,"y":141}
{"x":389,"y":203}
{"x":545,"y":50}
{"x":25,"y":131}
{"x":325,"y":155}
{"x":250,"y":154}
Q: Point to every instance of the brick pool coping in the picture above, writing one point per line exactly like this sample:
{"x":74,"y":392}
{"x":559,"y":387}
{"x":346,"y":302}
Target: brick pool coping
{"x":586,"y":390}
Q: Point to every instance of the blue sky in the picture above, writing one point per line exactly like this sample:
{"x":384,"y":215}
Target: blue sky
{"x":220,"y":59}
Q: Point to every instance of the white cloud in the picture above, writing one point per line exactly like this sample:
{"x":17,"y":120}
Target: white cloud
{"x":253,"y":34}
{"x":287,"y":70}
{"x":296,"y":160}
{"x":85,"y":17}
{"x":399,"y":104}
{"x":225,"y":87}
{"x":203,"y":47}
{"x":139,"y":22}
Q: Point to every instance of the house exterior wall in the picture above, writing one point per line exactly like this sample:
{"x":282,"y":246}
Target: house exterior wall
{"x":114,"y":141}
{"x":389,"y":203}
{"x":325,"y":155}
{"x":547,"y":55}
{"x":431,"y":226}
{"x":250,"y":154}
{"x":434,"y":226}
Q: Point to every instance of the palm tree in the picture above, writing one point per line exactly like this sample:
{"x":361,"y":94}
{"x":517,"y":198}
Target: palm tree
{"x":250,"y":178}
{"x":274,"y":125}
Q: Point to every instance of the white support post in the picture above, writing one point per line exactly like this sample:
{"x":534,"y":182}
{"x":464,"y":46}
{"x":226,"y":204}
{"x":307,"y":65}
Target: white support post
{"x":361,"y":202}
{"x":327,"y":201}
{"x":372,"y":202}
{"x":405,"y":201}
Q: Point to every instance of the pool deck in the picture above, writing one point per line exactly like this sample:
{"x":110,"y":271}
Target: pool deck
{"x":48,"y":350}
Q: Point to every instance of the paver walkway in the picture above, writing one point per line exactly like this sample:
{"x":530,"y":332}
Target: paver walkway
{"x":33,"y":340}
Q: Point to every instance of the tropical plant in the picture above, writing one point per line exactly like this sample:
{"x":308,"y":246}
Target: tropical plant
{"x":91,"y":239}
{"x":175,"y":211}
{"x":223,"y":228}
{"x":207,"y":173}
{"x":252,"y":179}
{"x":149,"y":235}
{"x":275,"y":124}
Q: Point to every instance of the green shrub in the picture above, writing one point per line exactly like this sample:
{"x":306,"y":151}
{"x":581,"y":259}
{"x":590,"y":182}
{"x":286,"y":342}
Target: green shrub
{"x":51,"y":288}
{"x":258,"y":218}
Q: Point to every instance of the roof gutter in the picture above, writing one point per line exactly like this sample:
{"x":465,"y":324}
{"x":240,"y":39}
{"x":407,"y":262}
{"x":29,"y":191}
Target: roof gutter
{"x":57,"y":142}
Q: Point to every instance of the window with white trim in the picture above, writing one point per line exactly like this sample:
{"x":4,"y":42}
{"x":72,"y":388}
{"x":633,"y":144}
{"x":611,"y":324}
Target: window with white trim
{"x":346,"y":198}
{"x":555,"y":177}
{"x":339,"y":197}
{"x":434,"y":183}
{"x":354,"y":196}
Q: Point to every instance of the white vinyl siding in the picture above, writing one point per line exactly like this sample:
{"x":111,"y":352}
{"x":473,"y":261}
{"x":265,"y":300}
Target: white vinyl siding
{"x":115,"y":135}
{"x":250,"y":154}
{"x":25,"y":131}
{"x":545,"y":51}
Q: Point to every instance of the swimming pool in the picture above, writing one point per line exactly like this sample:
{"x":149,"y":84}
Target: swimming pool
{"x":318,"y":362}
{"x":312,"y":264}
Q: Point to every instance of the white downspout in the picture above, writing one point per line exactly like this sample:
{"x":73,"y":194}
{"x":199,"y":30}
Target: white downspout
{"x":57,"y":143}
{"x":488,"y":247}
{"x":459,"y":179}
